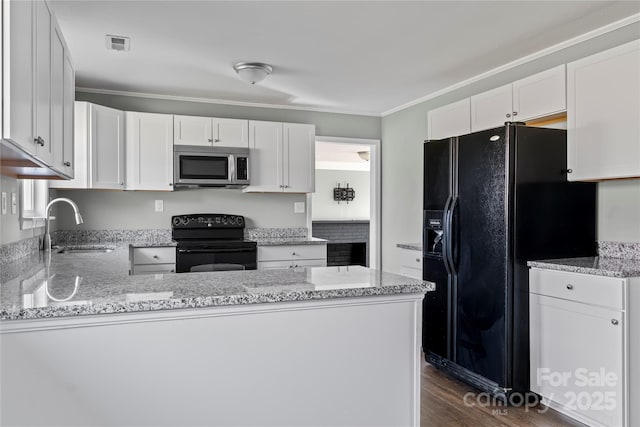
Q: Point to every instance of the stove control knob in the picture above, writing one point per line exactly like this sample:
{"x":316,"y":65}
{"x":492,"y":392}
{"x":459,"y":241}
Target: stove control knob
{"x":176,"y":220}
{"x":232,"y":220}
{"x":240,"y":222}
{"x":185,"y":220}
{"x":225,"y":220}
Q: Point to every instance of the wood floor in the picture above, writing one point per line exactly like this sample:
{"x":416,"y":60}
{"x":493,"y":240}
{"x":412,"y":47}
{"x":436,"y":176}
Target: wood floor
{"x":442,"y":405}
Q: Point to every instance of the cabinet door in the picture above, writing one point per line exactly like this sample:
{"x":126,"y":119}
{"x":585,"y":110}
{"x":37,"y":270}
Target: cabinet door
{"x":540,"y":95}
{"x":57,"y":99}
{"x":603,"y":106}
{"x":265,"y":142}
{"x":491,"y":109}
{"x":17,"y":84}
{"x":149,"y":140}
{"x":69,"y":95}
{"x":450,"y":120}
{"x":107,"y":148}
{"x":231,"y":133}
{"x":42,"y":123}
{"x":577,"y":340}
{"x":192,"y":130}
{"x":299,"y":158}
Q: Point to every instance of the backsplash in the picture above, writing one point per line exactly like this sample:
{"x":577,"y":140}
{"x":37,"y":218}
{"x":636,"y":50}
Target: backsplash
{"x":16,"y":250}
{"x":275,"y":233}
{"x":619,"y":250}
{"x":117,"y":237}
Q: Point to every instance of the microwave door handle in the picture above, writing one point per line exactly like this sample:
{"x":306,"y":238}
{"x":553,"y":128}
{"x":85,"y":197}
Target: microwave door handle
{"x":232,"y":168}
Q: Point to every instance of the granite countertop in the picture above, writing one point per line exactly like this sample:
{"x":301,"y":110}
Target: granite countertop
{"x":600,"y":266}
{"x":284,"y":241}
{"x":90,"y":284}
{"x":411,"y":246}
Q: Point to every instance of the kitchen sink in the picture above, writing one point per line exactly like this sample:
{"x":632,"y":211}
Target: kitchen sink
{"x":85,"y":250}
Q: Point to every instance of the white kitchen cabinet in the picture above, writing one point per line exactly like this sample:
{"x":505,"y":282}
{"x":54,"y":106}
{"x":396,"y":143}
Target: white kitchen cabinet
{"x":43,"y":73}
{"x":450,"y":120}
{"x":62,"y":98}
{"x":152,"y":259}
{"x":99,"y":149}
{"x":539,"y":95}
{"x":291,"y":256}
{"x":411,"y":263}
{"x":603,"y":129}
{"x":149,"y":159}
{"x":282,"y":157}
{"x":580,"y":327}
{"x":33,"y":89}
{"x":17,"y":76}
{"x":211,"y":132}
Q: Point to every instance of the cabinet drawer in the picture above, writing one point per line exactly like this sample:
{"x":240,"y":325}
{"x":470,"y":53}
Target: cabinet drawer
{"x":271,"y":265}
{"x":154,"y":269}
{"x":293,"y":252}
{"x":156,"y":255}
{"x":585,"y":288}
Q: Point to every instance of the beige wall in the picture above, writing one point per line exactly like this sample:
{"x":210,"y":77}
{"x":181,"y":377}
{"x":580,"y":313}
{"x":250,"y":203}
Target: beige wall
{"x":403,"y":134}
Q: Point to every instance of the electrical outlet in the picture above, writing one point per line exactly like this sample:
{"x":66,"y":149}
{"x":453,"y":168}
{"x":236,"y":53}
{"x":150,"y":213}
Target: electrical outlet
{"x":159,"y":205}
{"x":4,"y":203}
{"x":298,"y":207}
{"x":14,"y":204}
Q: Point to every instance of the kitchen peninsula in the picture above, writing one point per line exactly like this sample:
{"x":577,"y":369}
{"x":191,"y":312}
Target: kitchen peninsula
{"x":314,"y":346}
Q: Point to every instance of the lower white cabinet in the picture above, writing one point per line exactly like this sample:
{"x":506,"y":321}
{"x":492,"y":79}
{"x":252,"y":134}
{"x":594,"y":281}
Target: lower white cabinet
{"x":410,"y":263}
{"x":149,"y":141}
{"x":152,"y":260}
{"x":585,"y":345}
{"x":292,"y":256}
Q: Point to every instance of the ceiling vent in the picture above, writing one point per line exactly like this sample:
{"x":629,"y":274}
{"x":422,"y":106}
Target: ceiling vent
{"x":118,"y":43}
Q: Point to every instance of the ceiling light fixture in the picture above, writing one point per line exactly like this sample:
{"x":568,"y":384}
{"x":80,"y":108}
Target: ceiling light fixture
{"x":364,"y":155}
{"x":252,"y":72}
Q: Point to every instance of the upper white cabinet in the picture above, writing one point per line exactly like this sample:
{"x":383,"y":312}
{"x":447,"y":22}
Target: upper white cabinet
{"x":62,"y":99}
{"x":17,"y":75}
{"x":536,"y":96}
{"x":206,"y":131}
{"x":149,"y":160}
{"x":99,"y":148}
{"x":450,"y":120}
{"x":282,"y":157}
{"x":603,"y":115}
{"x":37,"y":77}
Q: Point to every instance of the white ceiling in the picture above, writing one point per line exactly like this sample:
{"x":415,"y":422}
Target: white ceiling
{"x":330,"y":155}
{"x":359,"y":56}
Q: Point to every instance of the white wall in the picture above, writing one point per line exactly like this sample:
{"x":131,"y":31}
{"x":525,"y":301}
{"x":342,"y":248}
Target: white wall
{"x":323,"y":205}
{"x":404,"y":132}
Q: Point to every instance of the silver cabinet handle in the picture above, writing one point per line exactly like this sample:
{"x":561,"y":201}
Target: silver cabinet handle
{"x":210,"y":140}
{"x":122,"y":183}
{"x":171,"y":184}
{"x":216,"y":140}
{"x":569,"y":170}
{"x":156,"y":257}
{"x":67,"y":164}
{"x":417,"y":259}
{"x":515,"y":113}
{"x":39,"y":141}
{"x":508,"y":115}
{"x":614,"y":321}
{"x":570,"y":286}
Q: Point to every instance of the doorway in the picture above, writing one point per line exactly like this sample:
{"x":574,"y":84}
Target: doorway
{"x":346,"y":206}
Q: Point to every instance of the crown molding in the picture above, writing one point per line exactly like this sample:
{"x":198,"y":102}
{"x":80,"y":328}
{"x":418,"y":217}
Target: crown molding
{"x":536,"y":55}
{"x":219,"y":101}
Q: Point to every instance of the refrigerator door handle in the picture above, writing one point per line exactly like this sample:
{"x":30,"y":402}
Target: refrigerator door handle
{"x":446,"y":233}
{"x":450,"y":248}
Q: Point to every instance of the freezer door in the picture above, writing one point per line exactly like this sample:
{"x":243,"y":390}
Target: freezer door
{"x":437,"y":174}
{"x":479,"y":253}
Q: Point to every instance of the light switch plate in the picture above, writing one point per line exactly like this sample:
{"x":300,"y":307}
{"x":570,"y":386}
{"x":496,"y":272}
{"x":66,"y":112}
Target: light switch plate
{"x":298,"y":207}
{"x":4,"y":203}
{"x":14,"y":204}
{"x":159,"y":205}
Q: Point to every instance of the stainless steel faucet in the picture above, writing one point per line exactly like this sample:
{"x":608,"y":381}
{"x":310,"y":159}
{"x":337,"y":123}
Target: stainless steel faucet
{"x":46,"y":241}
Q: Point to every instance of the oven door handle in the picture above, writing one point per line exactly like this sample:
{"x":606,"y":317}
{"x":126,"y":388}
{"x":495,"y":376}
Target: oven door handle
{"x":214,"y":251}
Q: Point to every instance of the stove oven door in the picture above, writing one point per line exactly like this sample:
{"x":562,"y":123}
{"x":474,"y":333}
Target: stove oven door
{"x":193,"y":259}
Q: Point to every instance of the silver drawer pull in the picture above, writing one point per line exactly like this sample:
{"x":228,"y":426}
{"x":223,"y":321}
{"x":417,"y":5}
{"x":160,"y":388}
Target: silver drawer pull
{"x":417,"y":259}
{"x":156,"y":257}
{"x":570,"y":286}
{"x":614,"y":321}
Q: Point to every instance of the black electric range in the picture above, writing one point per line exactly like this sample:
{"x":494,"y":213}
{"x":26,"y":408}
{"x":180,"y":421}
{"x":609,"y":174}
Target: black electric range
{"x":212,"y":242}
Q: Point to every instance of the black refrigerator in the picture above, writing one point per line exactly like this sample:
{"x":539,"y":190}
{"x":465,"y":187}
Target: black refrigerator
{"x":492,"y":201}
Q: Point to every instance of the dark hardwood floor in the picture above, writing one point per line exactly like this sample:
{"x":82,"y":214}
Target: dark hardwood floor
{"x":443,"y":405}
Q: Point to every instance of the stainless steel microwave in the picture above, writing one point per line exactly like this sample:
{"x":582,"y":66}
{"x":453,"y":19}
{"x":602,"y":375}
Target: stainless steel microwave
{"x":202,"y":166}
